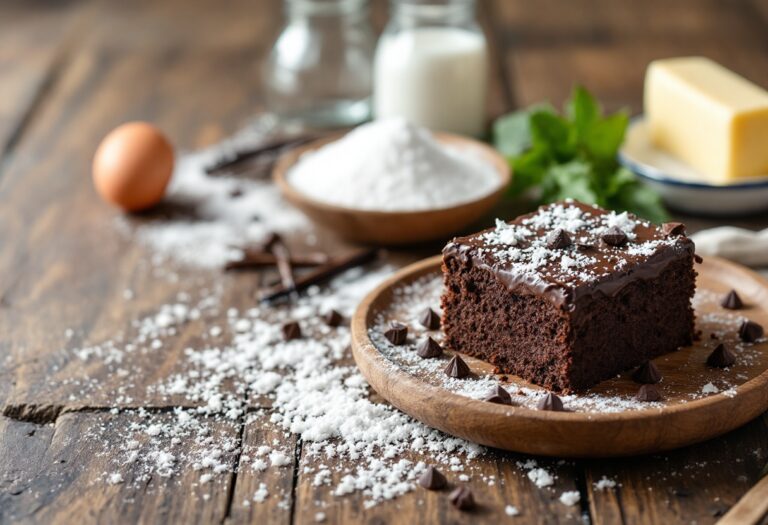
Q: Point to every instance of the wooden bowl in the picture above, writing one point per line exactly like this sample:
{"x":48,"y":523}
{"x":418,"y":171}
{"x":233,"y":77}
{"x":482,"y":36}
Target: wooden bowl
{"x":390,"y":228}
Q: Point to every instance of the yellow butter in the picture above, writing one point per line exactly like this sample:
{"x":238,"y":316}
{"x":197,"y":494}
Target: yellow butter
{"x":708,"y":117}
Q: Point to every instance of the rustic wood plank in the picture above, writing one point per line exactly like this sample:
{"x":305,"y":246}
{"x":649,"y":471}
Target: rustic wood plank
{"x":695,"y":484}
{"x":277,"y":506}
{"x":554,"y":46}
{"x":56,"y":257}
{"x":496,"y":480}
{"x":42,"y":37}
{"x":65,"y":472}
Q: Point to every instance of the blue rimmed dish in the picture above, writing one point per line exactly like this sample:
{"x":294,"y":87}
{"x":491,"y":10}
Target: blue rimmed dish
{"x":682,"y":187}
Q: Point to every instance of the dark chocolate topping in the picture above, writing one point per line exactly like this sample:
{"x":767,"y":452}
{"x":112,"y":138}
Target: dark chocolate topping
{"x":457,"y":368}
{"x":462,"y":498}
{"x":397,"y":333}
{"x":673,"y":229}
{"x":721,"y":357}
{"x":732,"y":301}
{"x":558,"y":239}
{"x":750,"y":331}
{"x":291,"y":330}
{"x":333,"y":318}
{"x":429,"y":319}
{"x":499,"y":395}
{"x":647,"y":373}
{"x":614,"y":236}
{"x":518,"y":256}
{"x":649,"y":393}
{"x":551,"y":402}
{"x":429,"y":348}
{"x":432,"y":479}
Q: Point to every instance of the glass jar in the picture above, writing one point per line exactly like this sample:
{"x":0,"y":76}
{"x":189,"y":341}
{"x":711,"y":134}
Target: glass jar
{"x":320,"y":67}
{"x":431,"y":66}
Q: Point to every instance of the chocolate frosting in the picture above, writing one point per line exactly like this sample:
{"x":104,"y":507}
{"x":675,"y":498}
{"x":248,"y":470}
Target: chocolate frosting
{"x":603,"y":269}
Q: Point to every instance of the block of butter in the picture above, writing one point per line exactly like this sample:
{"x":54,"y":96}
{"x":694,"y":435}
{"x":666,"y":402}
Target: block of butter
{"x":708,"y":117}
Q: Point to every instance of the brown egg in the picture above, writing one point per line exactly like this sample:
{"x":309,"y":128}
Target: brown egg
{"x":133,"y":166}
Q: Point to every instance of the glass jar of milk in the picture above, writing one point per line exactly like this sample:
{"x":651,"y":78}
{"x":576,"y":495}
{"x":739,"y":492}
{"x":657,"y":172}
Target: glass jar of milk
{"x":431,"y":66}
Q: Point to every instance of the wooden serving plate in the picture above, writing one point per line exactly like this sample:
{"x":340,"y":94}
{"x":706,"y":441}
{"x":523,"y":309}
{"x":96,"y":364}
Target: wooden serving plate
{"x":394,"y":228}
{"x":689,"y":413}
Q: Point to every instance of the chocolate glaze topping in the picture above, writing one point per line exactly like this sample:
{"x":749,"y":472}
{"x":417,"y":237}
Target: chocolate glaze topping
{"x":517,"y":252}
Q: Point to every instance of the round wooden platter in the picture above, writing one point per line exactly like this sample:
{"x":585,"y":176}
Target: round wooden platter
{"x":691,"y":412}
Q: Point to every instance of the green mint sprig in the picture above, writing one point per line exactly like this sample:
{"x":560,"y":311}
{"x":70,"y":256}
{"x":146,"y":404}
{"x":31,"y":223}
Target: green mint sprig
{"x":574,"y":156}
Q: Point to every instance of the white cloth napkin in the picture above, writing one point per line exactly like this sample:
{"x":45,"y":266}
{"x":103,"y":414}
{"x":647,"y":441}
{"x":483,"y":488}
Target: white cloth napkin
{"x":737,"y":244}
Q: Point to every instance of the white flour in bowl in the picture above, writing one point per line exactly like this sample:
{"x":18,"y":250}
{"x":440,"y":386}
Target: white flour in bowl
{"x":392,"y":165}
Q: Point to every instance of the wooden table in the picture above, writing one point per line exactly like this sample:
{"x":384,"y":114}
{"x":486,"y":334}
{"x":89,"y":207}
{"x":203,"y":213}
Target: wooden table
{"x":71,"y":71}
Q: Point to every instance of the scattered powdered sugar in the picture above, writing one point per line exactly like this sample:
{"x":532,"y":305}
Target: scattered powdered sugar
{"x":541,"y":477}
{"x":525,"y":244}
{"x":604,"y":484}
{"x":210,"y":217}
{"x":511,"y":510}
{"x":570,"y":497}
{"x":392,"y":165}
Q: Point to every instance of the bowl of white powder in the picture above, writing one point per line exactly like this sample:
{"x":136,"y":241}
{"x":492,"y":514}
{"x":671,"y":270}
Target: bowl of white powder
{"x":389,"y":182}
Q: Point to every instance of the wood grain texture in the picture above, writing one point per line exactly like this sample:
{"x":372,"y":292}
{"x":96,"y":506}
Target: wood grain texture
{"x":63,"y":473}
{"x":495,"y":480}
{"x":278,"y":506}
{"x":60,"y":244}
{"x":695,"y":484}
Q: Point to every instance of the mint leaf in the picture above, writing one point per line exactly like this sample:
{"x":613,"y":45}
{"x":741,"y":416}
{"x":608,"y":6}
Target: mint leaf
{"x":573,"y":156}
{"x":571,"y":180}
{"x":641,"y":200}
{"x":604,"y":137}
{"x":529,"y":169}
{"x":512,"y":134}
{"x":552,"y":132}
{"x":583,"y":110}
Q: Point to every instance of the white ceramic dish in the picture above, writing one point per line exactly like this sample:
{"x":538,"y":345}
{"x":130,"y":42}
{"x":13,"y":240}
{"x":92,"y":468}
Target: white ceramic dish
{"x":681,"y":186}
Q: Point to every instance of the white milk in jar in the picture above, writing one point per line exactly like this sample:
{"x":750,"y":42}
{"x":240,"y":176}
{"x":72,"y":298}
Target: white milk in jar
{"x":431,"y":67}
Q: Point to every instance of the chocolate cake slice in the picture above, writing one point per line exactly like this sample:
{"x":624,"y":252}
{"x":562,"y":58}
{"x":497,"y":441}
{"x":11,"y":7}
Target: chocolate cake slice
{"x":569,"y":295}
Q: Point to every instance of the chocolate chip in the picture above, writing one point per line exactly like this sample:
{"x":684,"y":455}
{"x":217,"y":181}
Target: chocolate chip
{"x":647,"y":373}
{"x":397,"y":333}
{"x":732,"y":301}
{"x":429,"y":319}
{"x":750,"y":331}
{"x":291,"y":331}
{"x":697,"y":258}
{"x":558,"y":240}
{"x":614,"y":236}
{"x":649,"y":393}
{"x":721,"y":357}
{"x":673,"y":229}
{"x":432,"y":479}
{"x":457,"y":368}
{"x":499,"y":395}
{"x":551,"y":402}
{"x":333,"y":318}
{"x":585,"y":246}
{"x":462,"y":498}
{"x":235,"y":193}
{"x":429,"y":348}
